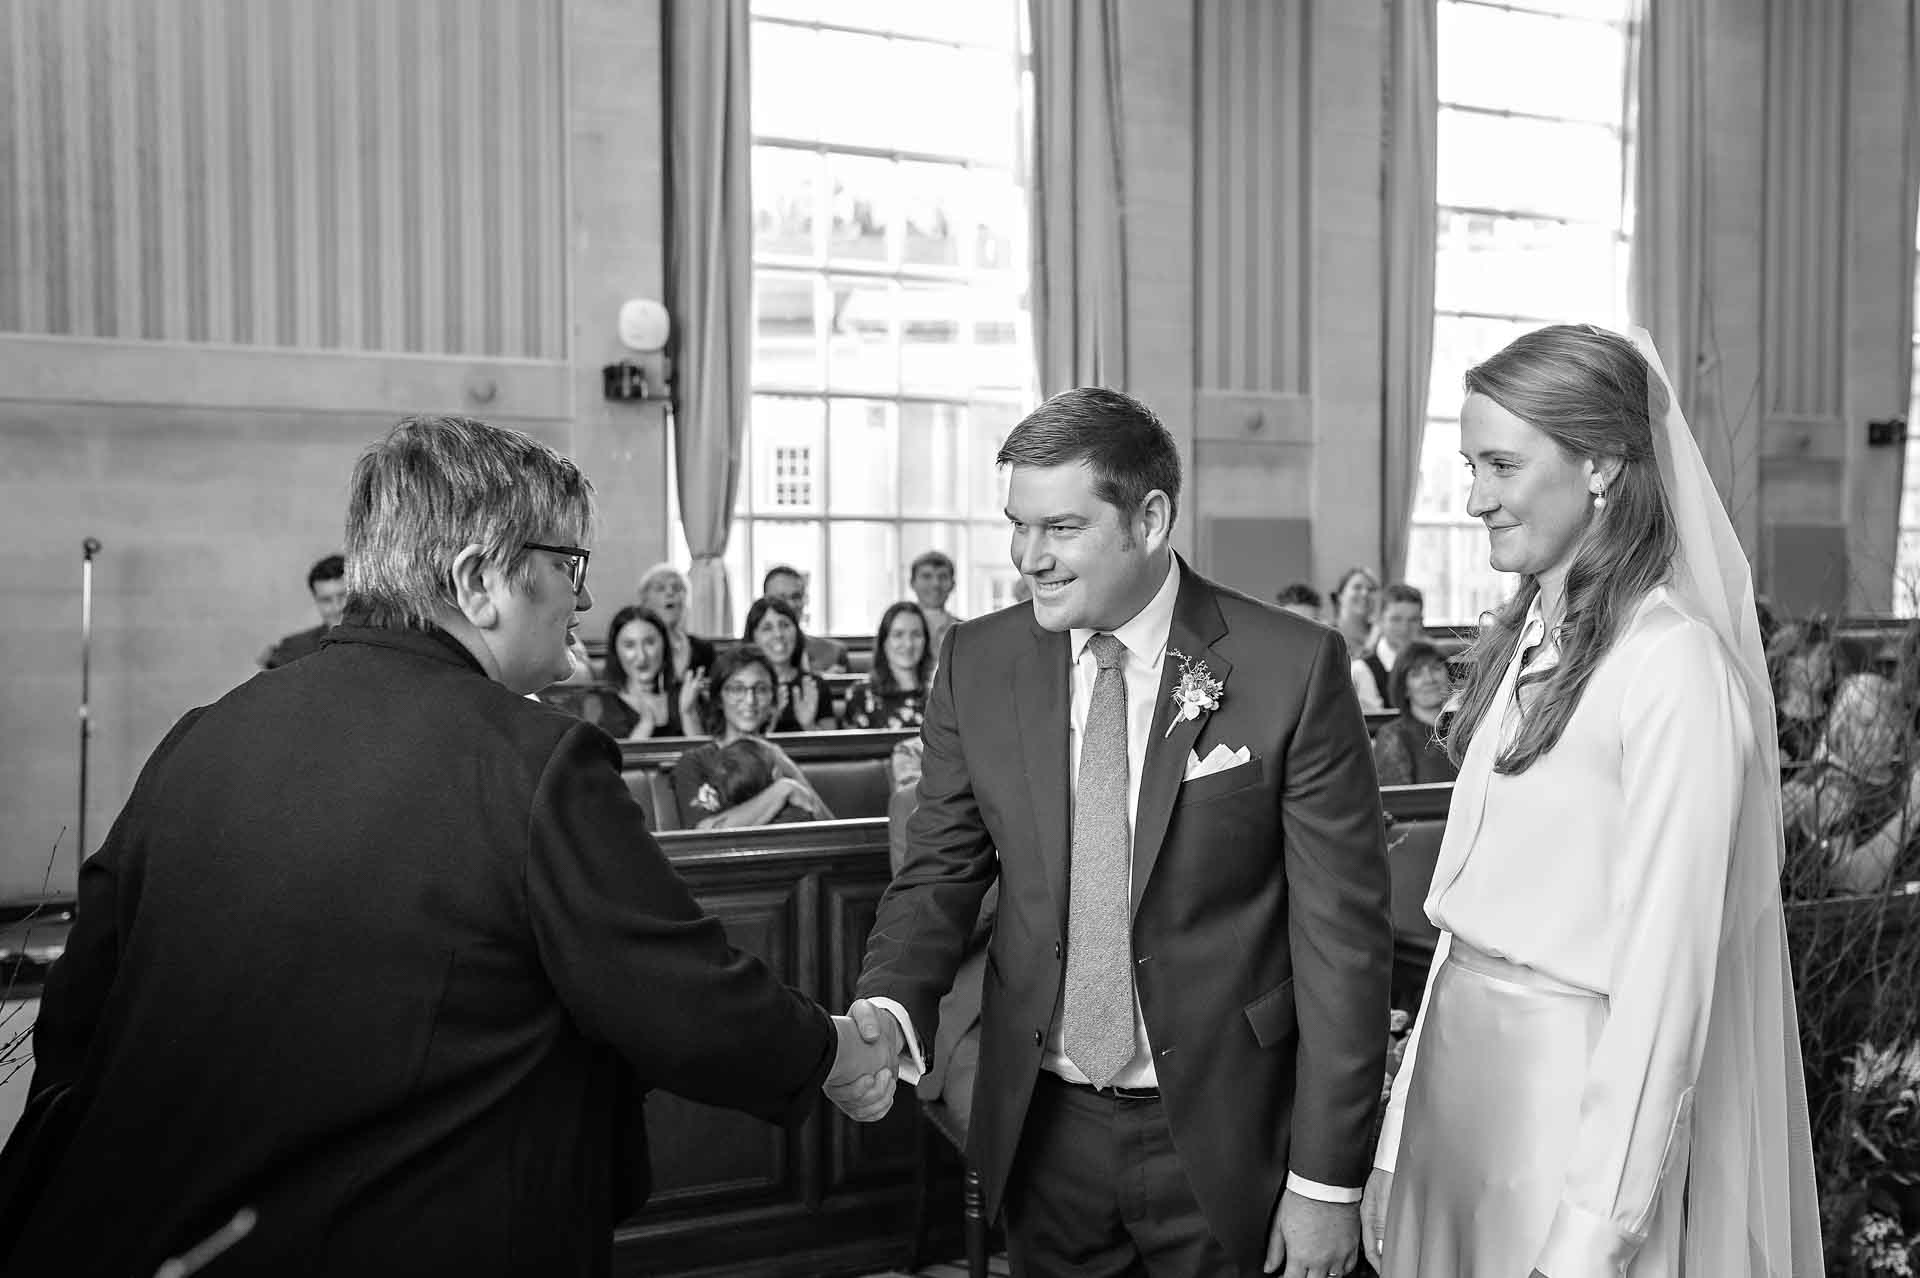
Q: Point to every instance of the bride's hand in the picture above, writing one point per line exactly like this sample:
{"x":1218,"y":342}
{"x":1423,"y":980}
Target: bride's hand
{"x":1373,"y":1215}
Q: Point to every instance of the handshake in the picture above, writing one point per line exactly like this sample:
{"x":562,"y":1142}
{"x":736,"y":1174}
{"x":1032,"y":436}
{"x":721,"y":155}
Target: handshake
{"x":865,"y":1062}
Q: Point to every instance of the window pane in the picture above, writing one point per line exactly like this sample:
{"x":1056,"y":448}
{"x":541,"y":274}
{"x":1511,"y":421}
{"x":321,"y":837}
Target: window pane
{"x":1524,"y":62}
{"x":1615,"y":11}
{"x":1002,"y":354}
{"x":861,"y":443}
{"x":1000,"y":205}
{"x":861,"y":354}
{"x":933,"y":357}
{"x":1521,"y":266}
{"x":1442,"y":492}
{"x":786,"y":350}
{"x":867,"y":574}
{"x":785,"y":94}
{"x":988,"y":425}
{"x":1533,"y":166}
{"x":933,"y":209}
{"x":1460,"y":342}
{"x":854,"y":81}
{"x":863,"y":208}
{"x":990,"y":572}
{"x":804,"y":10}
{"x":963,"y":23}
{"x":788,"y":470}
{"x":934,"y":461}
{"x":786,"y":188}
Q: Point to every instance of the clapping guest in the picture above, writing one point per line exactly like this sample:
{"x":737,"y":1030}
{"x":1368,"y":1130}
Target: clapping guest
{"x":738,"y":709}
{"x":639,"y":696}
{"x":895,"y":692}
{"x":803,"y":704}
{"x":1407,"y":751}
{"x":1353,"y":610}
{"x":663,"y":589}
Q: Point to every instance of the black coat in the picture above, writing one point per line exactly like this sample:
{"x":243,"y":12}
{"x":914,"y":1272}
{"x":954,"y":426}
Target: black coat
{"x":374,"y":948}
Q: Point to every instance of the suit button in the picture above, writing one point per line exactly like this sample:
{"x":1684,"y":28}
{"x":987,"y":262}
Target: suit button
{"x":1057,"y":949}
{"x":1038,"y":1038}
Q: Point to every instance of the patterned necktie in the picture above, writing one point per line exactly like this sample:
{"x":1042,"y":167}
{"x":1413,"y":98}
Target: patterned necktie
{"x":1097,"y":1019}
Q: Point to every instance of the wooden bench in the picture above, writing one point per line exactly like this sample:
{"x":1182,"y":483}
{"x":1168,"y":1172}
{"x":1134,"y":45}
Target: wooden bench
{"x":851,"y":770}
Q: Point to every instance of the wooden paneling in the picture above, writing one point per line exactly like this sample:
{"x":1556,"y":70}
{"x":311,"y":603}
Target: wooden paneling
{"x":364,"y":175}
{"x":1253,"y":203}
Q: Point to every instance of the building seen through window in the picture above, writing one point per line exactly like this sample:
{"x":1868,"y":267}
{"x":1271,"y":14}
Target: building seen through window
{"x":1533,"y":230}
{"x":892,"y":350}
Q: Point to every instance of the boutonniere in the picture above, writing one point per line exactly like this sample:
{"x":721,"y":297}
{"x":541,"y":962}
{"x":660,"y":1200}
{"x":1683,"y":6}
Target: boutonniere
{"x":1197,"y":690}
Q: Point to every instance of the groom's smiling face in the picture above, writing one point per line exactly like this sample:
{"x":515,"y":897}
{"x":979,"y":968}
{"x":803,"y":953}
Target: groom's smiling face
{"x":1088,"y":563}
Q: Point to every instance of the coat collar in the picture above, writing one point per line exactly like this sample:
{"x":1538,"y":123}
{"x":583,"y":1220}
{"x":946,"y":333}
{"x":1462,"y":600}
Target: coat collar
{"x":431,"y":642}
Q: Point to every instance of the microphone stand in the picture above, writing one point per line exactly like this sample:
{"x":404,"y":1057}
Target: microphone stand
{"x":88,"y":549}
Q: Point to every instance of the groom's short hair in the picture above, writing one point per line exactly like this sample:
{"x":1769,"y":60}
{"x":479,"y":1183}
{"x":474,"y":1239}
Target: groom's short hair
{"x":1130,"y":452}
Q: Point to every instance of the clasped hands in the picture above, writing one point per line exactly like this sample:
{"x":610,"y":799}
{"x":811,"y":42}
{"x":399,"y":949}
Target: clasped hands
{"x":865,"y":1063}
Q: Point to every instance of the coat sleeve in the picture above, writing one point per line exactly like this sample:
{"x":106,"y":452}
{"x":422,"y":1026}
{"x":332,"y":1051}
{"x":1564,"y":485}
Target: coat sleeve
{"x":640,"y":966}
{"x":920,"y":931}
{"x":1340,"y":930}
{"x":1685,"y":739}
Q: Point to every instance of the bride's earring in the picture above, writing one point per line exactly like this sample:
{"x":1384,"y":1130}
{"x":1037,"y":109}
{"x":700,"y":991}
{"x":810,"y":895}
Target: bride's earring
{"x":1600,"y":500}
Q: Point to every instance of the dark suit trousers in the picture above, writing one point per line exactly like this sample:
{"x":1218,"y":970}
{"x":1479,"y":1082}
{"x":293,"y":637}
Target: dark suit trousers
{"x":1099,"y":1192}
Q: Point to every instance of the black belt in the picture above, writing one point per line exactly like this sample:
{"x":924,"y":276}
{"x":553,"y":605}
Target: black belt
{"x":1110,"y":1092}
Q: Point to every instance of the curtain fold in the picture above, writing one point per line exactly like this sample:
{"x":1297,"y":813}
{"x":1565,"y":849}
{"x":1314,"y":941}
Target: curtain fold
{"x":1410,"y":233}
{"x":1078,"y":245}
{"x":1909,"y":259}
{"x":1667,"y":260}
{"x":709,"y":252}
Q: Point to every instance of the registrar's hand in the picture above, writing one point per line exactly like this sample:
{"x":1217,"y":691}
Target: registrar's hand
{"x":1310,"y":1237}
{"x":862,"y":1080}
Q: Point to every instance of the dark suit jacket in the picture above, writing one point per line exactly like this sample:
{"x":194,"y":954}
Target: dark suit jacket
{"x":1261,"y":935}
{"x":368,"y":950}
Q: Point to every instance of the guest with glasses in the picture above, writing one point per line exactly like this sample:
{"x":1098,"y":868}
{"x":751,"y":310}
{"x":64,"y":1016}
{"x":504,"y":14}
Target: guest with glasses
{"x":738,"y":708}
{"x":802,"y":701}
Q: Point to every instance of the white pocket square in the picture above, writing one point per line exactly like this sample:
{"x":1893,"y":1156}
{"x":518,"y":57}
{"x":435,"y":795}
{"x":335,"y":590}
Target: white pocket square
{"x":1218,"y":761}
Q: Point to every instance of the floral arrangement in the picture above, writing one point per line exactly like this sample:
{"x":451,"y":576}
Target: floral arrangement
{"x":1197,"y":690}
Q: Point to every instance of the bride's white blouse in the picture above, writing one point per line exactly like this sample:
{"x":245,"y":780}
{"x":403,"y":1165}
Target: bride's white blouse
{"x":1604,"y":865}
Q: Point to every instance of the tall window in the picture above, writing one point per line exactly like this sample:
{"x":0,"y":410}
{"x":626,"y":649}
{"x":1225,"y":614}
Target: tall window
{"x":1906,"y":563}
{"x":892,"y":350}
{"x":1533,"y":230}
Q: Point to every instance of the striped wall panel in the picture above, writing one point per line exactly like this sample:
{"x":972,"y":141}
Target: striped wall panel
{"x":361,"y":175}
{"x":1254,"y":296}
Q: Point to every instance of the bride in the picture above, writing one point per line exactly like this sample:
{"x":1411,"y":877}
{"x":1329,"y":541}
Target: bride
{"x":1605,"y":1075}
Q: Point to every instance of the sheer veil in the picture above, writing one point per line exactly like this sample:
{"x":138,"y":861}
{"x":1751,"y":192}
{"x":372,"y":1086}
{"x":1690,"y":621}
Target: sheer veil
{"x":1751,"y":1202}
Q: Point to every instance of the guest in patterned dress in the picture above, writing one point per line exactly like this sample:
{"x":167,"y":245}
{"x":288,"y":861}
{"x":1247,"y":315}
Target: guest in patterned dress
{"x":895,"y":693}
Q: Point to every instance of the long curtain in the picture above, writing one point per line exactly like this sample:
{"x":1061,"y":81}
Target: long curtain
{"x":1412,"y":160}
{"x":709,"y":235}
{"x":1079,"y":251}
{"x":1667,"y":263}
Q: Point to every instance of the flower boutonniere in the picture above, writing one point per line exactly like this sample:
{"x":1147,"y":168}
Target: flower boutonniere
{"x":1197,"y":690}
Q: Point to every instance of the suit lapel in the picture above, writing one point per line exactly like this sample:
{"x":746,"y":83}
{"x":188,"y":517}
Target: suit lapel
{"x":1042,"y":684}
{"x":1197,"y":626}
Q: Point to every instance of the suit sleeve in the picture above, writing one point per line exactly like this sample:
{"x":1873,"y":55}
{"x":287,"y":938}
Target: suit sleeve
{"x":1685,"y":741}
{"x":920,"y":932}
{"x":1340,"y":931}
{"x":640,"y":966}
{"x":82,"y":977}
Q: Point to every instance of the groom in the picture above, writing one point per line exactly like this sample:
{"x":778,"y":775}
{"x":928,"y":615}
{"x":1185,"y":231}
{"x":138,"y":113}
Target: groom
{"x":1186,"y":996}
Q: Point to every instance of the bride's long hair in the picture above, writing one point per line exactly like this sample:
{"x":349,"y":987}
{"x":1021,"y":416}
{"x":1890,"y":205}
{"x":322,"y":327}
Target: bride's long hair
{"x":1588,"y":391}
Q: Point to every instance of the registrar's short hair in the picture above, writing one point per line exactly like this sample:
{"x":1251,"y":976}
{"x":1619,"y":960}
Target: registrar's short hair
{"x":437,"y":484}
{"x":1130,"y":452}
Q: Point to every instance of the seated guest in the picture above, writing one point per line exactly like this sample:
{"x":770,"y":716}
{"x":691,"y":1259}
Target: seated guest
{"x":743,"y":770}
{"x":1407,"y":751}
{"x":1401,"y":610}
{"x":1806,"y":668}
{"x":663,"y":590}
{"x":327,"y":583}
{"x":1302,"y":600}
{"x":804,"y":703}
{"x":931,"y":580}
{"x":894,"y":694}
{"x":824,"y":655}
{"x":376,"y":947}
{"x":638,"y":696}
{"x":737,"y":707}
{"x":1353,"y":602}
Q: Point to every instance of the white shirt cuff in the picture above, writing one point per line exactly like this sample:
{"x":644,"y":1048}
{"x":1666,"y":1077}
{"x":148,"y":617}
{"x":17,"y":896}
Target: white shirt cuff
{"x":1324,"y":1193}
{"x":913,"y":1063}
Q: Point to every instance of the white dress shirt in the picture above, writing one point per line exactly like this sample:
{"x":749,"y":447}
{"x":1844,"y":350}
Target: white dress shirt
{"x":1371,"y":701}
{"x":1145,"y":638}
{"x":1604,"y":865}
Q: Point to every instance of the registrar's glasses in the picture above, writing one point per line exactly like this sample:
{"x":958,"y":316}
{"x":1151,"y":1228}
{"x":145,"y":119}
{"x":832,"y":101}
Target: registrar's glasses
{"x":576,"y":561}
